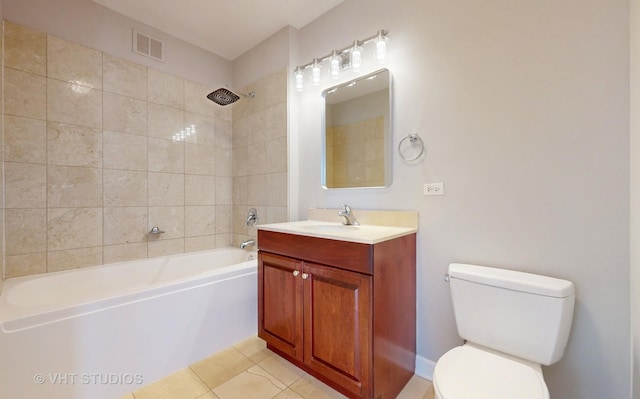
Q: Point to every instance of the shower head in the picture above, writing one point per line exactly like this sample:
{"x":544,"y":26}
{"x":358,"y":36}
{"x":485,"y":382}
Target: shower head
{"x":224,"y":96}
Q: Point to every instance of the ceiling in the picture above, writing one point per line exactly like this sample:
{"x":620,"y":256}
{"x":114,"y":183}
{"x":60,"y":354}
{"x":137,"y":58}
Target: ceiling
{"x":225,"y":27}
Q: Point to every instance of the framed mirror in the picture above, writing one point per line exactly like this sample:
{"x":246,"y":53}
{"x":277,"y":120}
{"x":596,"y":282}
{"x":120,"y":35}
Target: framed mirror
{"x":356,"y":133}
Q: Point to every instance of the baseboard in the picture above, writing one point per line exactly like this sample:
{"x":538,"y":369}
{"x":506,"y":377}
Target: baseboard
{"x":424,"y":367}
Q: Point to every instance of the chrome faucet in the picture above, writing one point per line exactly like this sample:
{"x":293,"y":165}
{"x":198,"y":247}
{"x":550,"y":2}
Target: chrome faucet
{"x":155,"y":230}
{"x":247,"y":243}
{"x":348,"y":218}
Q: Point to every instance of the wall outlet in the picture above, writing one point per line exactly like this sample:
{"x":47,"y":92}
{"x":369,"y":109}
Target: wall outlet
{"x":434,"y":189}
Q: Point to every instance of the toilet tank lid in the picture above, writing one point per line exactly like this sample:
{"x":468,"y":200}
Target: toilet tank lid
{"x":513,"y":280}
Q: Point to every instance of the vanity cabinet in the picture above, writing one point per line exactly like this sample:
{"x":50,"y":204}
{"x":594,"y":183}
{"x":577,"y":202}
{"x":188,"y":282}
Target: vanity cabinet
{"x":342,"y":311}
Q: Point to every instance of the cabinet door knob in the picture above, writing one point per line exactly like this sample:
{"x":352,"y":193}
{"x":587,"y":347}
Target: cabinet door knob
{"x":305,"y":276}
{"x":295,"y":273}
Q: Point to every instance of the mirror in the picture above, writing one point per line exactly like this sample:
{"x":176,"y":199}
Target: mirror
{"x":356,"y":130}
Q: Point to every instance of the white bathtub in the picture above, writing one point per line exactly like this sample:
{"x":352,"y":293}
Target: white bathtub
{"x":103,"y":331}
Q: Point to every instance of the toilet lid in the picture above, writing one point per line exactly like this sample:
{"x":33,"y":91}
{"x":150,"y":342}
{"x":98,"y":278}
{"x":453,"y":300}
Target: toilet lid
{"x":468,"y":372}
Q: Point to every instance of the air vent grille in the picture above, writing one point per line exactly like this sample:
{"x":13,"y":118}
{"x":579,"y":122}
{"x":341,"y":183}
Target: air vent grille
{"x":148,"y":46}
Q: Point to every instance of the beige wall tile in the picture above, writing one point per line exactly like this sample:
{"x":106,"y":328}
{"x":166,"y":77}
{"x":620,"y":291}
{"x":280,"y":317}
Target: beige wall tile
{"x":256,"y":193}
{"x":256,"y":158}
{"x":123,"y":225}
{"x":224,"y":240}
{"x":25,"y":140}
{"x":165,"y":89}
{"x":71,"y":186}
{"x":25,"y":94}
{"x":223,"y":134}
{"x":25,"y":185}
{"x":224,"y":190}
{"x":201,"y":243}
{"x":124,"y":77}
{"x":204,"y":129}
{"x":239,"y":162}
{"x":240,"y":190}
{"x":169,"y":219}
{"x":73,"y":259}
{"x":276,"y":155}
{"x":124,"y":188}
{"x":199,"y":220}
{"x":124,"y":114}
{"x":195,"y":99}
{"x":164,"y":122}
{"x":69,"y":228}
{"x":25,"y":265}
{"x":277,"y":193}
{"x":25,"y":48}
{"x":74,"y":63}
{"x":165,"y":156}
{"x":239,"y":220}
{"x":165,"y":248}
{"x":124,"y":252}
{"x":200,"y":190}
{"x":275,"y":214}
{"x":74,"y":104}
{"x":25,"y":231}
{"x":224,"y":162}
{"x":72,"y":145}
{"x":124,"y":151}
{"x":199,"y":159}
{"x":224,"y":214}
{"x":166,"y":189}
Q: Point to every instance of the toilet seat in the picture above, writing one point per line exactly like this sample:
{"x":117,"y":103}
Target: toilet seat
{"x":473,"y":372}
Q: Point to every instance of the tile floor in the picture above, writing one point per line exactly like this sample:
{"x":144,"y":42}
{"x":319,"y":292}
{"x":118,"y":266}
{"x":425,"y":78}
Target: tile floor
{"x":249,"y":370}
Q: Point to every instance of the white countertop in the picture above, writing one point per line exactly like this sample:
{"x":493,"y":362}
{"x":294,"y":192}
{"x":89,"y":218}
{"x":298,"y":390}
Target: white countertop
{"x":364,"y":234}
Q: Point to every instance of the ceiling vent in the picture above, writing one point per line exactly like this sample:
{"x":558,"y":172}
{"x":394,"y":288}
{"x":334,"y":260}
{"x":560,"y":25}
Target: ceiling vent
{"x":148,"y":46}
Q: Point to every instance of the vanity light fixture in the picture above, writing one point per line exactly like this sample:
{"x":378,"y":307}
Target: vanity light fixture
{"x":299,"y":79}
{"x":356,"y":56}
{"x":339,"y":60}
{"x":315,"y":72}
{"x":381,"y":47}
{"x":336,"y":62}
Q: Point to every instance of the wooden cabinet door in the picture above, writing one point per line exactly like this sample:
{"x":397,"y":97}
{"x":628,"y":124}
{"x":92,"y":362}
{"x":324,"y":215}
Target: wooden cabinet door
{"x":338,"y":325}
{"x":280,"y":317}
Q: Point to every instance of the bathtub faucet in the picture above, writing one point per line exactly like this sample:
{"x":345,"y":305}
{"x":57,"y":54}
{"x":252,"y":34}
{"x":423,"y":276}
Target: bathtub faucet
{"x":247,"y":243}
{"x":155,"y":230}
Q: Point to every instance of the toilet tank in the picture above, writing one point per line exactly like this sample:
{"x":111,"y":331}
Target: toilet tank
{"x":525,"y":315}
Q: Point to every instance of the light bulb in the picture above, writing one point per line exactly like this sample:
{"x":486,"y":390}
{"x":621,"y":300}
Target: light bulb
{"x":381,"y":47}
{"x":299,"y":79}
{"x":335,"y":65}
{"x":315,"y":72}
{"x":356,"y":56}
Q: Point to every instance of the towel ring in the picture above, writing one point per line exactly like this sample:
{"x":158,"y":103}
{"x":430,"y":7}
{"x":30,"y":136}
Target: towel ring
{"x":413,"y":139}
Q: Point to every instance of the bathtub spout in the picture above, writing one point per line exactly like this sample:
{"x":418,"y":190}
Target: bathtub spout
{"x":247,"y":243}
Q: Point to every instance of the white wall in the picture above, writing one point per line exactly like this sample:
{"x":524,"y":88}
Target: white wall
{"x":524,"y":110}
{"x":90,"y":24}
{"x":635,"y":194}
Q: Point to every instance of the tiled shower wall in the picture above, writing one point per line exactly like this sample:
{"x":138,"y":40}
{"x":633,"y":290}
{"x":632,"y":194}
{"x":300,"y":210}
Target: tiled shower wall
{"x":91,"y":163}
{"x":260,"y":155}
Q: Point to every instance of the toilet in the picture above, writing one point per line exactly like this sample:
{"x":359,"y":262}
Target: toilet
{"x":512,"y":323}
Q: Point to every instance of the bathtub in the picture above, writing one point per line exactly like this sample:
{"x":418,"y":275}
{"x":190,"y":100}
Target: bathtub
{"x":103,"y":331}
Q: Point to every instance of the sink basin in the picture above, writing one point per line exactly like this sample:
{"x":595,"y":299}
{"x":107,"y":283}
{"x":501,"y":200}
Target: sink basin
{"x":331,"y":228}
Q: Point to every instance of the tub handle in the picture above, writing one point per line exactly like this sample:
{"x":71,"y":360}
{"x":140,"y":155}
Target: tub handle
{"x":296,"y":273}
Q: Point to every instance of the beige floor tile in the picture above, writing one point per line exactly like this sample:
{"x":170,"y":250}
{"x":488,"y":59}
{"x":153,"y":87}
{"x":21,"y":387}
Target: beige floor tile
{"x":209,"y":395}
{"x":254,"y":348}
{"x":182,"y":385}
{"x":430,"y":393}
{"x":288,"y":394}
{"x":417,"y":387}
{"x":221,"y":367}
{"x":254,"y":383}
{"x":284,"y":371}
{"x":310,"y":388}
